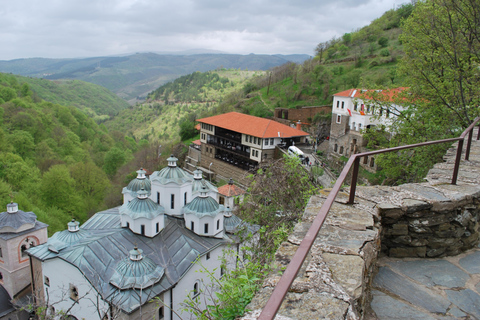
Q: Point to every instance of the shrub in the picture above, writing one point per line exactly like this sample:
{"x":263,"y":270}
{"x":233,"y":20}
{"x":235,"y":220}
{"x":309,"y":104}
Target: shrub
{"x":384,"y":52}
{"x":383,"y":42}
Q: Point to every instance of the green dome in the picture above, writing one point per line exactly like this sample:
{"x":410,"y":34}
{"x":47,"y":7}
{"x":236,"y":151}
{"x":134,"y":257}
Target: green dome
{"x":171,"y":173}
{"x":136,"y":272}
{"x":203,"y":206}
{"x":142,"y":207}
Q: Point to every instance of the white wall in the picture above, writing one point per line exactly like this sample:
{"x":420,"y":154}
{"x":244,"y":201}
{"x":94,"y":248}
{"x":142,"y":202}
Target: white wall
{"x":61,"y":274}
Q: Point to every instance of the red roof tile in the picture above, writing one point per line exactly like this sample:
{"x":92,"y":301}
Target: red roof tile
{"x":253,"y":126}
{"x":197,"y":142}
{"x":384,"y":95}
{"x":230,"y":190}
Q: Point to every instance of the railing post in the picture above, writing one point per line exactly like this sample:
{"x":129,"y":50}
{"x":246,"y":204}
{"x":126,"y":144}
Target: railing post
{"x":353,"y":185}
{"x":469,"y":142}
{"x":458,"y":158}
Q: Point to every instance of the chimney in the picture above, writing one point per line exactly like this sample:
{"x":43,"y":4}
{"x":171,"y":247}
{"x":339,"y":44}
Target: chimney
{"x":299,"y":125}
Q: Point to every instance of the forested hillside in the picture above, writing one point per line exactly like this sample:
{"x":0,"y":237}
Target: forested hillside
{"x":96,"y":101}
{"x":54,"y":159}
{"x":170,"y":111}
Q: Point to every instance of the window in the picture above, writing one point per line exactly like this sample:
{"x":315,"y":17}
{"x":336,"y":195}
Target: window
{"x":23,"y":248}
{"x":208,"y":256}
{"x":355,"y":107}
{"x":185,"y":198}
{"x":365,"y":160}
{"x":1,"y":278}
{"x":338,"y":104}
{"x":192,"y":225}
{"x":160,"y":313}
{"x":73,"y":292}
{"x":250,"y":139}
{"x":259,"y":141}
{"x":157,"y":227}
{"x":343,"y":104}
{"x":368,"y":108}
{"x":339,"y":118}
{"x":142,"y":229}
{"x":46,"y":280}
{"x":271,"y":141}
{"x":128,"y":224}
{"x":256,"y":153}
{"x":335,"y":148}
{"x":266,"y":142}
{"x":172,"y":201}
{"x":381,"y":112}
{"x":195,"y":289}
{"x":388,"y":113}
{"x":372,"y":162}
{"x":205,"y":227}
{"x":158,"y":197}
{"x":254,"y":140}
{"x":221,"y":200}
{"x":1,"y":253}
{"x":359,"y":126}
{"x":353,"y":126}
{"x":218,"y":224}
{"x":341,"y":150}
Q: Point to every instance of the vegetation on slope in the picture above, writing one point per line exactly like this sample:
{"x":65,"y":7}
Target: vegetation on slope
{"x":54,"y":159}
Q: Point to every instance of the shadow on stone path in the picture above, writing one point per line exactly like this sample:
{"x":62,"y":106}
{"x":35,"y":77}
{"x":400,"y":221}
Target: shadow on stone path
{"x":443,"y":288}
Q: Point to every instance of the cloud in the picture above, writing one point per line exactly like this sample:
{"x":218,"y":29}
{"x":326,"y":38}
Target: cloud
{"x":75,"y":28}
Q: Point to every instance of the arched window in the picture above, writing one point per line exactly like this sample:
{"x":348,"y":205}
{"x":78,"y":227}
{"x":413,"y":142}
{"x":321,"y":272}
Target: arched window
{"x":196,"y":289}
{"x":23,"y":248}
{"x":160,"y":313}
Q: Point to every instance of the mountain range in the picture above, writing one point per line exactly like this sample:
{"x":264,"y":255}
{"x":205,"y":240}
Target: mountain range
{"x":133,"y":76}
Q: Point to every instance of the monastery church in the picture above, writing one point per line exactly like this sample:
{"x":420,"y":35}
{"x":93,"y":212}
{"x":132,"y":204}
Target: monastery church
{"x":138,"y":260}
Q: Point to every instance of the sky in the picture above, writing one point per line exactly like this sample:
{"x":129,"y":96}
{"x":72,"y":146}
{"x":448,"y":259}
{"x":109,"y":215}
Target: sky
{"x":92,"y":28}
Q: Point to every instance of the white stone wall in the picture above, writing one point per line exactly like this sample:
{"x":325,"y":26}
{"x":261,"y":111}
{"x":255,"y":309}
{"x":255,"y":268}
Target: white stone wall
{"x":166,"y":192}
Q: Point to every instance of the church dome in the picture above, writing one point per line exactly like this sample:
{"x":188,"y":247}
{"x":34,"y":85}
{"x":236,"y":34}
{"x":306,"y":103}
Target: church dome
{"x":136,"y":271}
{"x":171,"y":173}
{"x":15,"y":221}
{"x":142,"y":207}
{"x":140,"y":182}
{"x":203,"y":205}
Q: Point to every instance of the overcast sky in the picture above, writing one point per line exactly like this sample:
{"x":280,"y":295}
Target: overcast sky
{"x":88,"y":28}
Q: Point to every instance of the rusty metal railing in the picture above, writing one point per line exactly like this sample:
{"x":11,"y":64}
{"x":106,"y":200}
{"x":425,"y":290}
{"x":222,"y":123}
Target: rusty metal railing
{"x":281,"y":289}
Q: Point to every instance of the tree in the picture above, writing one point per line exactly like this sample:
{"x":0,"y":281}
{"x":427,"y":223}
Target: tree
{"x":441,"y":40}
{"x":90,"y":182}
{"x":114,"y":158}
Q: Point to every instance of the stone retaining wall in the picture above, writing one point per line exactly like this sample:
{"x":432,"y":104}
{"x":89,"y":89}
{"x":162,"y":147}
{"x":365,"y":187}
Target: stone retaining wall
{"x":426,"y":219}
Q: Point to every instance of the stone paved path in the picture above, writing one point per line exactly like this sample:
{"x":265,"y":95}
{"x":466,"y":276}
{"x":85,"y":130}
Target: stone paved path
{"x":445,"y":288}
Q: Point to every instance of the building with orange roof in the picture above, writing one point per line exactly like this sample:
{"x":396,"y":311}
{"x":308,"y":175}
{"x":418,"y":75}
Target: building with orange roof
{"x":227,"y":194}
{"x":356,"y":109}
{"x":233,"y":142}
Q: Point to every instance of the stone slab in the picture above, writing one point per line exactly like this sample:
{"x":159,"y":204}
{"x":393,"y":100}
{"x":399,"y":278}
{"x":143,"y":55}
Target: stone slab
{"x":432,"y":272}
{"x":471,"y":262}
{"x":387,"y":308}
{"x":409,"y":291}
{"x":467,"y":300}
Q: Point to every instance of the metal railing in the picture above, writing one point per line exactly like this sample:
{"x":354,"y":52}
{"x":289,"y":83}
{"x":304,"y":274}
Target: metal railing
{"x":281,"y":289}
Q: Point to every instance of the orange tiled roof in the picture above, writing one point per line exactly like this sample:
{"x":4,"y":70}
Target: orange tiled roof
{"x":197,"y":142}
{"x":253,"y":126}
{"x":384,"y":95}
{"x":230,"y":190}
{"x":197,"y":127}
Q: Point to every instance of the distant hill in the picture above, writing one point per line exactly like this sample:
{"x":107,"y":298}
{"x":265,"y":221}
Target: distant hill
{"x":132,"y":77}
{"x":96,"y":101}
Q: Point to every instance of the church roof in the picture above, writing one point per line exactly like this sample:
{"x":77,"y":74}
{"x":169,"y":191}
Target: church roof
{"x":142,"y":207}
{"x":171,"y":173}
{"x":106,"y":246}
{"x":203,"y":206}
{"x":140,"y":182}
{"x":14,"y":220}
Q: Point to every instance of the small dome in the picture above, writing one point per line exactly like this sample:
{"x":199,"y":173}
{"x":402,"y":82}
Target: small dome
{"x":171,"y":173}
{"x":142,"y":207}
{"x":203,"y":205}
{"x":199,"y":184}
{"x":140,"y":182}
{"x":14,"y":220}
{"x":136,"y":271}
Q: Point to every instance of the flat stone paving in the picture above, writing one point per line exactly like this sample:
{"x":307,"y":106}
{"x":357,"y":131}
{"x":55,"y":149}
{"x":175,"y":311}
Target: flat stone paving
{"x":444,"y":288}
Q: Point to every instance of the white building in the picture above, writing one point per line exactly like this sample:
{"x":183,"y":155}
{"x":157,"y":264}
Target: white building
{"x":353,"y":111}
{"x":141,"y":259}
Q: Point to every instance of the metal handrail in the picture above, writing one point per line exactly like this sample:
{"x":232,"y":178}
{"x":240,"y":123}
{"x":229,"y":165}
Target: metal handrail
{"x":281,"y":289}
